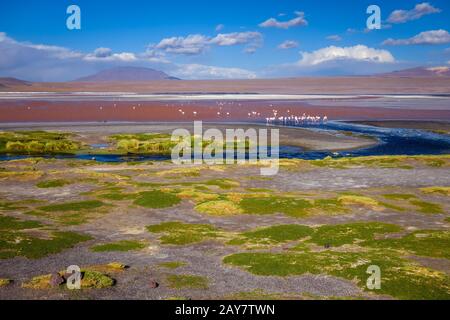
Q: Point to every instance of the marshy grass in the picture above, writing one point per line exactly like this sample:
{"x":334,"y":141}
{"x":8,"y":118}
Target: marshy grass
{"x":186,"y":281}
{"x":122,"y":245}
{"x":16,"y":239}
{"x":179,"y":233}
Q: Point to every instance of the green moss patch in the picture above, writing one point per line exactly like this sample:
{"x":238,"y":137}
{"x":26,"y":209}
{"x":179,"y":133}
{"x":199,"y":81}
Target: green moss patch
{"x":222,"y":183}
{"x":273,"y":235}
{"x":73,"y":206}
{"x":219,"y":208}
{"x":431,"y":243}
{"x":427,"y":207}
{"x":337,"y":235}
{"x":21,"y":243}
{"x":437,"y":190}
{"x":156,"y":199}
{"x":53,"y":183}
{"x":32,"y":240}
{"x":270,"y":205}
{"x":179,"y":233}
{"x":400,"y":278}
{"x":186,"y":281}
{"x":123,"y":245}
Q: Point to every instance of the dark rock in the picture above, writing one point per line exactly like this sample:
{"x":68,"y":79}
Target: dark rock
{"x":56,"y":280}
{"x":327,"y":245}
{"x":153,"y":284}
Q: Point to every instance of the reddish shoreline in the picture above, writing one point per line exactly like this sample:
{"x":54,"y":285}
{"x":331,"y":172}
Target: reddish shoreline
{"x":71,"y":111}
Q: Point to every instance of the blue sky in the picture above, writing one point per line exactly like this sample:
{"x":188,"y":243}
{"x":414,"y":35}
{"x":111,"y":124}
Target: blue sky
{"x":183,"y":37}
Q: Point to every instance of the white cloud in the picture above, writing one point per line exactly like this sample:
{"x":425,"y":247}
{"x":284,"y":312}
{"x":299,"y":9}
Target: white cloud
{"x":334,"y":37}
{"x":420,"y":10}
{"x":288,"y":44}
{"x":198,"y":71}
{"x":192,"y":44}
{"x":426,"y":37}
{"x":297,"y":21}
{"x":106,"y":54}
{"x":219,"y":27}
{"x":231,"y":39}
{"x":195,"y":44}
{"x":38,"y":62}
{"x":355,"y":53}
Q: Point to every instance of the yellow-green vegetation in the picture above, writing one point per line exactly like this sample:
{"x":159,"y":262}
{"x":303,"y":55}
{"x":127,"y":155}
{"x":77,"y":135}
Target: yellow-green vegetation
{"x":8,"y":206}
{"x":117,"y":196}
{"x":70,"y":213}
{"x":437,"y":190}
{"x":421,"y":205}
{"x":89,"y":280}
{"x":179,"y":233}
{"x":431,"y":243}
{"x":197,"y":196}
{"x":112,"y":267}
{"x":123,"y":245}
{"x":273,"y":235}
{"x":447,"y":219}
{"x":31,"y":239}
{"x":427,"y":207}
{"x":399,"y":196}
{"x":367,"y":243}
{"x":399,"y":162}
{"x":172,"y":264}
{"x":156,"y":199}
{"x":219,"y":208}
{"x":340,"y":234}
{"x":401,"y":279}
{"x":53,"y":183}
{"x":4,"y":282}
{"x":290,"y":205}
{"x":73,"y":206}
{"x":141,"y":143}
{"x":37,"y":142}
{"x":222,"y":183}
{"x":356,"y":200}
{"x":186,"y":281}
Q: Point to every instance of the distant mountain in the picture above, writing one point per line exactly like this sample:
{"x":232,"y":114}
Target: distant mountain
{"x":127,"y":74}
{"x":420,"y":72}
{"x":12,"y":82}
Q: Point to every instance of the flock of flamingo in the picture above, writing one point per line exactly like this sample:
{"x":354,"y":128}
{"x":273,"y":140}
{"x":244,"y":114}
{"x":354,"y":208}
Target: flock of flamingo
{"x":275,"y":119}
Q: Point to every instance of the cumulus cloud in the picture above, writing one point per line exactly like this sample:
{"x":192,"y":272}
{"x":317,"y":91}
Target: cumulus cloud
{"x":190,"y":45}
{"x":299,"y":20}
{"x":196,"y":71}
{"x":195,"y":44}
{"x":39,"y":62}
{"x":355,"y":53}
{"x":426,"y":37}
{"x":288,"y":44}
{"x":231,"y":39}
{"x":420,"y":10}
{"x":334,"y":37}
{"x":106,"y":54}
